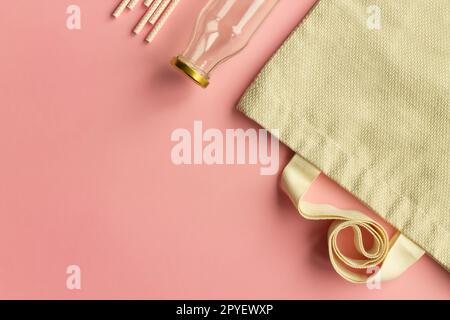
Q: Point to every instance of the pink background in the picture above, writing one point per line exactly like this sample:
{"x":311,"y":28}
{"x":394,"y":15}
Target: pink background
{"x":86,"y":176}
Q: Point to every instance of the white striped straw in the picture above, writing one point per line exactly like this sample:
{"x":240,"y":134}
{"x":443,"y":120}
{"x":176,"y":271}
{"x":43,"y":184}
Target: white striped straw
{"x":151,"y":36}
{"x":120,"y":8}
{"x":148,"y":2}
{"x":132,"y":4}
{"x":158,"y":12}
{"x":146,"y":16}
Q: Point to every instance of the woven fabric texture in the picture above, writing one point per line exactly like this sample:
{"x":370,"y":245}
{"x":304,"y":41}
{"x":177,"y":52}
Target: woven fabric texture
{"x":362,"y":90}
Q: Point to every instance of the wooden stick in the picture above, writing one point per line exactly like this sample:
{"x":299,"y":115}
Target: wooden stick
{"x":150,"y":11}
{"x":120,"y":8}
{"x":161,"y":21}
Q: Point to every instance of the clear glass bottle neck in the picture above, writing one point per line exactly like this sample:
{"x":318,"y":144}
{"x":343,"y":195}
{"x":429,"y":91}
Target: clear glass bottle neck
{"x":224,"y":28}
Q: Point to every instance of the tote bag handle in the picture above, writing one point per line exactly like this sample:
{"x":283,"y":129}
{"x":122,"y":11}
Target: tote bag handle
{"x":391,"y":257}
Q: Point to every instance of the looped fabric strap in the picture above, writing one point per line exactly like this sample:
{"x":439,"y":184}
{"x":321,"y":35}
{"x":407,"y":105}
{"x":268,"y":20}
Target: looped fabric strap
{"x":392,"y":256}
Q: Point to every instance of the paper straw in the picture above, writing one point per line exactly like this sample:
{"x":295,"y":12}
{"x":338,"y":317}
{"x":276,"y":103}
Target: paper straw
{"x":146,"y":17}
{"x":151,"y":36}
{"x":148,"y":2}
{"x":133,"y":4}
{"x":158,"y":12}
{"x":120,"y":8}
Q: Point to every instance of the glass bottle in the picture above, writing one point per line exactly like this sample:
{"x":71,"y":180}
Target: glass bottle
{"x":223,"y":28}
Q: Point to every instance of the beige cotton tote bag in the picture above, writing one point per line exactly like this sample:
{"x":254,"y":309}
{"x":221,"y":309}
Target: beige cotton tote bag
{"x":361,"y":92}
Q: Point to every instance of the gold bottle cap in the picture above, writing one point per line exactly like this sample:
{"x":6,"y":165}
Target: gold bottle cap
{"x":199,"y":78}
